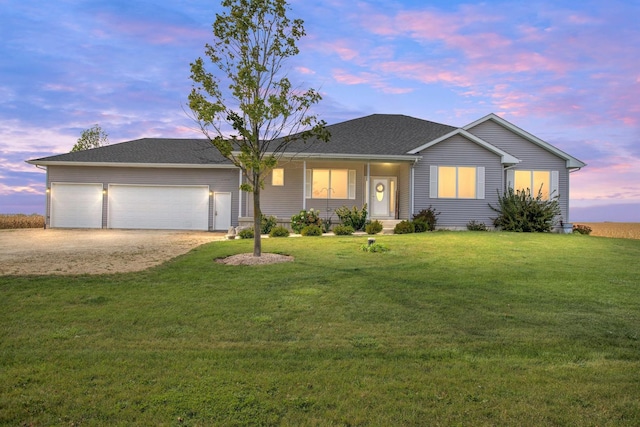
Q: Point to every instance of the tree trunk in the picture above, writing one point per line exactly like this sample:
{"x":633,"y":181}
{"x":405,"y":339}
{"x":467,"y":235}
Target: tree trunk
{"x":257,"y":220}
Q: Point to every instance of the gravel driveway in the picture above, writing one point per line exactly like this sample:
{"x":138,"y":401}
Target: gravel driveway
{"x":57,"y":251}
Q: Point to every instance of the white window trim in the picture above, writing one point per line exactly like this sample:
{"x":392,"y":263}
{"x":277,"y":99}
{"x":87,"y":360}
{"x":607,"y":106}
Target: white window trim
{"x":554,"y":177}
{"x":351,"y":184}
{"x":433,"y":182}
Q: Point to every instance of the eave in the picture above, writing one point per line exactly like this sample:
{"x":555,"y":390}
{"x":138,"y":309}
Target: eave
{"x":133,"y":165}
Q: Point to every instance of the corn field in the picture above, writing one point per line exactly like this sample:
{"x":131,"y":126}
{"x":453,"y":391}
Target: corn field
{"x":21,"y":221}
{"x":624,"y":230}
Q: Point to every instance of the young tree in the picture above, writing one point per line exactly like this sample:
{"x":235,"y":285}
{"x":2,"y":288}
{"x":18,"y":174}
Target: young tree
{"x":251,"y":42}
{"x":93,"y":137}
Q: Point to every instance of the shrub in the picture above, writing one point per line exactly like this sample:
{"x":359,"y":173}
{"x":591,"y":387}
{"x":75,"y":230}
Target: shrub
{"x":353,"y":217}
{"x":311,"y":230}
{"x":374,"y":247}
{"x":343,"y":230}
{"x":267,"y":223}
{"x":247,"y":233}
{"x":404,"y":227}
{"x":374,"y":227}
{"x":476,"y":226}
{"x":279,"y":231}
{"x":420,"y":225}
{"x":304,"y":218}
{"x":520,"y":211}
{"x":582,"y":229}
{"x":429,"y":216}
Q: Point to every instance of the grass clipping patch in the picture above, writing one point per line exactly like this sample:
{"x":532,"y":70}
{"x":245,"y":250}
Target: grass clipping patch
{"x":249,"y":259}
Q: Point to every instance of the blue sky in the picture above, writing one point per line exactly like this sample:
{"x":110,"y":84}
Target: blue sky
{"x":566,"y":71}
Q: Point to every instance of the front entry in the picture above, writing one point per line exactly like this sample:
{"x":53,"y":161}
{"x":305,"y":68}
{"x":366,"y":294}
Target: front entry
{"x":383,"y":197}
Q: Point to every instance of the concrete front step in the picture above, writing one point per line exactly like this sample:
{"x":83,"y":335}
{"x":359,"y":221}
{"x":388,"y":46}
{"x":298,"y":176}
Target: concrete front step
{"x":388,"y":225}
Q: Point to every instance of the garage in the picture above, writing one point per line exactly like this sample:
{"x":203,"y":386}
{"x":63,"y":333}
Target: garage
{"x":158,"y":207}
{"x":76,"y":205}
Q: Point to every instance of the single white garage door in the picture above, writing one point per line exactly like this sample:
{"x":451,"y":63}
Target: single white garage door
{"x":76,"y":205}
{"x":158,"y":207}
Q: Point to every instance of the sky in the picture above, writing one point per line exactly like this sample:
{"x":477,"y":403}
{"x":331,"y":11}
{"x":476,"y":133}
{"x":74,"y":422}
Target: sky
{"x":565,"y":71}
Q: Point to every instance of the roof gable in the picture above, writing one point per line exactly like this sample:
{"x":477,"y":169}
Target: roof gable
{"x":572,"y":162}
{"x":505,"y":157}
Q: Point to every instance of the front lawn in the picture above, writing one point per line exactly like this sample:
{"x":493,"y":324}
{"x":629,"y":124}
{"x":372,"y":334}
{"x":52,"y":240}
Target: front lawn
{"x":444,"y":329}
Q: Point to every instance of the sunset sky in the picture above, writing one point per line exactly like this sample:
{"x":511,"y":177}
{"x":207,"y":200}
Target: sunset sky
{"x":565,"y":71}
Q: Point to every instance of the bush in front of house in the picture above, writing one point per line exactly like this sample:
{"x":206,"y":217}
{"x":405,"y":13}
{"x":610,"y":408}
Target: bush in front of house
{"x":476,"y":226}
{"x":520,"y":211}
{"x":404,"y":227}
{"x":343,"y":230}
{"x":279,"y":231}
{"x":356,"y":218}
{"x":420,"y":225}
{"x":247,"y":233}
{"x":428,"y":216}
{"x":267,"y":223}
{"x":305,"y":218}
{"x":374,"y":227}
{"x":311,"y":230}
{"x":582,"y":229}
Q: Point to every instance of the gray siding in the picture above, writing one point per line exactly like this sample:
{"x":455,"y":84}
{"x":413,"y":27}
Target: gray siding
{"x":533,"y":157}
{"x":285,"y":201}
{"x":459,"y":151}
{"x":218,"y":180}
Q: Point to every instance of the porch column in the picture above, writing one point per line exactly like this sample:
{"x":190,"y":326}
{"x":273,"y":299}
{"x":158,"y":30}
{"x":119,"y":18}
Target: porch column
{"x":367,"y":189}
{"x":239,"y":194}
{"x":304,"y":185}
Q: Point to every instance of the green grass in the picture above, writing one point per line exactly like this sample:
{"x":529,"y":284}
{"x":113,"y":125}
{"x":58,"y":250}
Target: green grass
{"x":444,"y":329}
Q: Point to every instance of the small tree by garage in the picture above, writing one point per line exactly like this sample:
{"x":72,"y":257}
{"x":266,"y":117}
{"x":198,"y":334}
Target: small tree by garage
{"x":252,"y":40}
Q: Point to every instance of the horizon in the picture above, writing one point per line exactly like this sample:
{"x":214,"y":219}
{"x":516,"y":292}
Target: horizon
{"x":558,"y":71}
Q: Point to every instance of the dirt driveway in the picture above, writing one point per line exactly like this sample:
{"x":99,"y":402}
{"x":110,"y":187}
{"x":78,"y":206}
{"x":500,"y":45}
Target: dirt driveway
{"x":38,"y":251}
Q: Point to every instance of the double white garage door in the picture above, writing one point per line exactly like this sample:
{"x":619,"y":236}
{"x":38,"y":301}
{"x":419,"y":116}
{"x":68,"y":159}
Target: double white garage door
{"x":137,"y":206}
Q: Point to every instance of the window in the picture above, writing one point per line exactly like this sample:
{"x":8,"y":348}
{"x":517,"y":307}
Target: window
{"x":331,"y":183}
{"x":544,"y":181}
{"x":277,"y":177}
{"x":457,"y":182}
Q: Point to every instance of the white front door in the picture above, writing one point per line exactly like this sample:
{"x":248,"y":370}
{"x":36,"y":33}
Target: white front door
{"x":383,"y":196}
{"x":221,"y":211}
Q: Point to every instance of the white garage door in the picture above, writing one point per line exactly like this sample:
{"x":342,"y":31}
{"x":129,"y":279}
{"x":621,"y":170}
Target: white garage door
{"x":76,"y":205}
{"x":158,"y":207}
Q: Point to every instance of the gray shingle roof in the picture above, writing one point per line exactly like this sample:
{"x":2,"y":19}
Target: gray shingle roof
{"x":377,"y":134}
{"x":147,"y":150}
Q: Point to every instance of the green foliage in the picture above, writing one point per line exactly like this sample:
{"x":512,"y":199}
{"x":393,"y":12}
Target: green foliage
{"x":279,"y":231}
{"x":311,"y":230}
{"x":93,"y":137}
{"x":374,"y":247}
{"x":356,"y":218}
{"x":304,"y":218}
{"x":460,"y":329}
{"x":267,"y":223}
{"x":250,"y":92}
{"x":476,"y":226}
{"x":582,"y":229}
{"x":247,"y":233}
{"x":427,"y":216}
{"x":343,"y":230}
{"x":374,"y":227}
{"x":404,"y":227}
{"x":521,"y":212}
{"x":420,"y":225}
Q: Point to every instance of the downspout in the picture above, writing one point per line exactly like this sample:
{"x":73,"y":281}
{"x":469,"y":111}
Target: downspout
{"x":304,"y":185}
